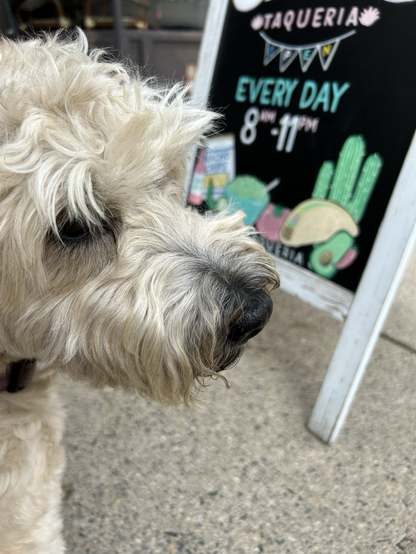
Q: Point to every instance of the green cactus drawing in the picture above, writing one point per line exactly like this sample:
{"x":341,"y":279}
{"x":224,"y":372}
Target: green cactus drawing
{"x":342,"y":190}
{"x":350,"y":185}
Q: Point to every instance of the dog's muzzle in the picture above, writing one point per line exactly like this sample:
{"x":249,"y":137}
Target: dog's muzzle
{"x":258,"y":308}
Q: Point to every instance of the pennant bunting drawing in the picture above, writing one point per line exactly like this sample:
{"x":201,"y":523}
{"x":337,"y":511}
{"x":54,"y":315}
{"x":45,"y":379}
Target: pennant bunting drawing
{"x":327,"y":52}
{"x":286,"y":58}
{"x":270,"y":52}
{"x":306,"y":52}
{"x":306,"y":57}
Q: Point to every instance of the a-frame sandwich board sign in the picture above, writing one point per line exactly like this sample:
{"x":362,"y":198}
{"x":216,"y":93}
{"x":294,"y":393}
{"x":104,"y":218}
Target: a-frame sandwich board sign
{"x":318,"y":150}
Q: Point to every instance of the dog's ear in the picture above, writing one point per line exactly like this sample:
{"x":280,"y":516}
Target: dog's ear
{"x":156,"y":140}
{"x":186,"y":126}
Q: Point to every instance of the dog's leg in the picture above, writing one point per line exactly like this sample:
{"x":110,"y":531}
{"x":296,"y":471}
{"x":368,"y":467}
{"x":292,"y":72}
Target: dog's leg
{"x":31,"y":465}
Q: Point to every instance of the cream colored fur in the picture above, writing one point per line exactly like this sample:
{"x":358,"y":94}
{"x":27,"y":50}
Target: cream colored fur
{"x":31,"y":466}
{"x":142,"y":298}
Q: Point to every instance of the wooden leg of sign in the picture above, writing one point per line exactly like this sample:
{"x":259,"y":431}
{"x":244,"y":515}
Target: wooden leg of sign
{"x":349,"y":361}
{"x":391,"y":251}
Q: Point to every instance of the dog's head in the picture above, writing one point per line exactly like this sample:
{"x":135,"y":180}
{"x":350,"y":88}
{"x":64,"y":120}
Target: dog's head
{"x":104,"y":273}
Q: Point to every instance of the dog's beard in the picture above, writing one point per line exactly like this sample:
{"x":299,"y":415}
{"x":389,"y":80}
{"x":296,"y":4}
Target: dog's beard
{"x":228,"y":356}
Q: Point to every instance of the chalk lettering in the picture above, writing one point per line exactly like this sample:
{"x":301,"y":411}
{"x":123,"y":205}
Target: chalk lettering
{"x":317,"y":17}
{"x":288,"y":20}
{"x":267,"y":18}
{"x":301,"y":21}
{"x":266,"y":91}
{"x":240,"y":93}
{"x":329,"y":17}
{"x":327,"y":97}
{"x":269,"y":91}
{"x":290,"y":87}
{"x":255,"y":88}
{"x":277,"y":21}
{"x":352,"y":18}
{"x":267,"y":116}
{"x":308,"y":94}
{"x":338,"y":92}
{"x":340,"y":16}
{"x":323,"y":97}
{"x":302,"y":18}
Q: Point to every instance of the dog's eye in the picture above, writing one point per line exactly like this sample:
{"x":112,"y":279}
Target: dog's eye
{"x":73,"y":230}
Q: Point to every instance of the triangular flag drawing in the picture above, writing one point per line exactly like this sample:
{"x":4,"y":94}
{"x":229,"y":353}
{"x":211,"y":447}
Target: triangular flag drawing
{"x":306,"y":57}
{"x":327,"y":52}
{"x":270,"y":52}
{"x":286,"y":58}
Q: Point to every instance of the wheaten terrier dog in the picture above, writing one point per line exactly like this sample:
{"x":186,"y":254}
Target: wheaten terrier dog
{"x":105,"y":276}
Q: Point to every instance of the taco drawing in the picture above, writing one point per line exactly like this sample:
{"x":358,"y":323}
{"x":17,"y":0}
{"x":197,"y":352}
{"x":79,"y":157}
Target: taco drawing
{"x":315,"y":221}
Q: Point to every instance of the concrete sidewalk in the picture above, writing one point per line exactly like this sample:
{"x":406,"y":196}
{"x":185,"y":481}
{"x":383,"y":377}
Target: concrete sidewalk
{"x":240,"y":473}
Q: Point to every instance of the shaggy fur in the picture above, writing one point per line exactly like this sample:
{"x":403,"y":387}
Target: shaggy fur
{"x":105,"y":275}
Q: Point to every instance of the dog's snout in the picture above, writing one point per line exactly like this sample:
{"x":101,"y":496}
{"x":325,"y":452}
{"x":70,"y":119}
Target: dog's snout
{"x":257,"y":310}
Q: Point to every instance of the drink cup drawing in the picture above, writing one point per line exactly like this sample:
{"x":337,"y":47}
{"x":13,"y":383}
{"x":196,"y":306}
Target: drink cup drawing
{"x":249,"y":194}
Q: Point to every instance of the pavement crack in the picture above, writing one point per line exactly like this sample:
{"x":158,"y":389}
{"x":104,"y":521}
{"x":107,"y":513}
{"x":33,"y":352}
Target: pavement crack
{"x":398,"y":343}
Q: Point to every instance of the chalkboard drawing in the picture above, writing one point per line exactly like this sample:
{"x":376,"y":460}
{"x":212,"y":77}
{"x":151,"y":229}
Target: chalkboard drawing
{"x":215,"y":167}
{"x":315,"y":221}
{"x":271,"y":220}
{"x":196,"y":195}
{"x":257,"y":22}
{"x":337,"y":253}
{"x":329,"y":220}
{"x":369,"y":16}
{"x":245,"y":193}
{"x":249,"y":194}
{"x":306,"y":52}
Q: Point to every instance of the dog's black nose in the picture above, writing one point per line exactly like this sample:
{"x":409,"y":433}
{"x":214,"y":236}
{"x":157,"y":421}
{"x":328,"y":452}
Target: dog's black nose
{"x":256,"y":313}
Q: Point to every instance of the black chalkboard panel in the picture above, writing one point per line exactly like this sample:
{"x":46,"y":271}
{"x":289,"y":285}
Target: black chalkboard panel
{"x":320,"y":99}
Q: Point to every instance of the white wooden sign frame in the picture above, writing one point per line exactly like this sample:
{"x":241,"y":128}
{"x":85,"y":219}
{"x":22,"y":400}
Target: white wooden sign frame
{"x":363,"y":312}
